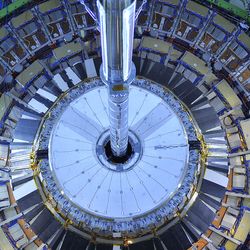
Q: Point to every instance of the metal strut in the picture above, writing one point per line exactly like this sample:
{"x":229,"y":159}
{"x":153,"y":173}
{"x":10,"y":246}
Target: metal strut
{"x":116,"y":20}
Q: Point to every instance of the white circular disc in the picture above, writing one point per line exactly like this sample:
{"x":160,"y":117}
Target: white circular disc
{"x":99,"y":190}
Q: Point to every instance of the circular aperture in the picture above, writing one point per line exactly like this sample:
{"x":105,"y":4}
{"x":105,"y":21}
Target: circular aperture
{"x":112,"y":158}
{"x":109,"y":160}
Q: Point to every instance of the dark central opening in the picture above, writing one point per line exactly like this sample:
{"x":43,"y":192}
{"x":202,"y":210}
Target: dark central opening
{"x":118,"y":159}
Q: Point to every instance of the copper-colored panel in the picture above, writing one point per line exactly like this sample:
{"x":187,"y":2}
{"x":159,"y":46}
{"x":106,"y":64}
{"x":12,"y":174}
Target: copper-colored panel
{"x":65,"y":26}
{"x":79,"y":20}
{"x":41,"y":37}
{"x":226,"y":54}
{"x":234,"y":64}
{"x":182,"y":27}
{"x":192,"y":34}
{"x":245,"y":74}
{"x":168,"y":24}
{"x":19,"y":51}
{"x":53,"y":30}
{"x":90,"y":21}
{"x":142,"y":19}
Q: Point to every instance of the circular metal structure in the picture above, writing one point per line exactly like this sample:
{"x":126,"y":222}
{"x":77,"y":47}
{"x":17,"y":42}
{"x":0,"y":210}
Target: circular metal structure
{"x":132,"y":193}
{"x":118,"y":164}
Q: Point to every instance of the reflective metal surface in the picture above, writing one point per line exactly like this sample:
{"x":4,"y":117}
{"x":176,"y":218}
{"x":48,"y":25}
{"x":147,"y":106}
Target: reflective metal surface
{"x":151,"y":183}
{"x":142,"y":184}
{"x":117,"y":31}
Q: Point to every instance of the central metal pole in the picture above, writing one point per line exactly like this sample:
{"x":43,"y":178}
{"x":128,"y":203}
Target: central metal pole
{"x":117,"y":18}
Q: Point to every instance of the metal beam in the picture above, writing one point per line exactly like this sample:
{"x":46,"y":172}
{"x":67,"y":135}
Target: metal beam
{"x":117,"y":20}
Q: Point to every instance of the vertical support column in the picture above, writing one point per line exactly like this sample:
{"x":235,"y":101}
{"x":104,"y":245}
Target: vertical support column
{"x":117,"y":20}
